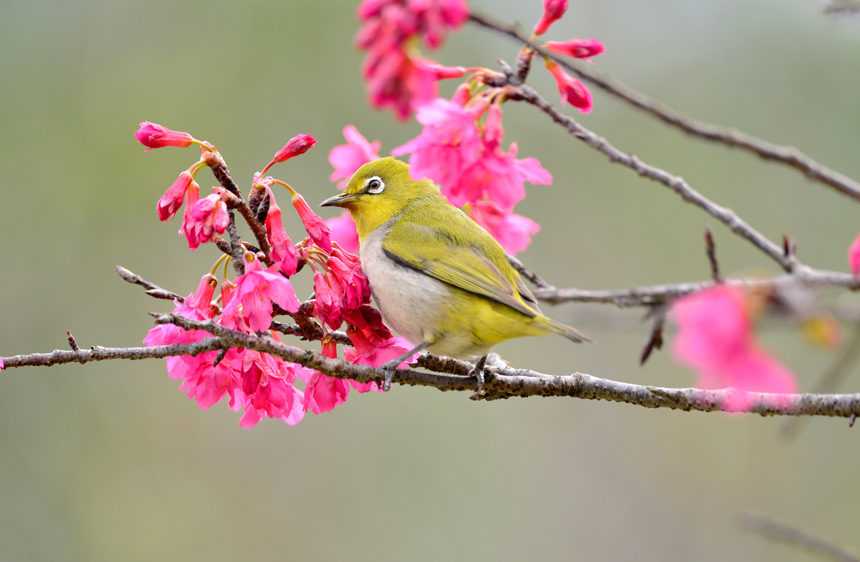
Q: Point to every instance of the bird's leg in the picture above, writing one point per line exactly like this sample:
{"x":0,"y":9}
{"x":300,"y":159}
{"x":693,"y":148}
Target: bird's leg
{"x":479,"y":372}
{"x":391,"y":366}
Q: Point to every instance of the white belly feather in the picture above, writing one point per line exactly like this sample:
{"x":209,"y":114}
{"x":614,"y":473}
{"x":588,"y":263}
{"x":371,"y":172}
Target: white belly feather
{"x":412,"y":303}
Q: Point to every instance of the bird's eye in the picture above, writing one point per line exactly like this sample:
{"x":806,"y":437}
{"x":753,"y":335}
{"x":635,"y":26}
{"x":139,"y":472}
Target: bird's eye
{"x":375,"y":185}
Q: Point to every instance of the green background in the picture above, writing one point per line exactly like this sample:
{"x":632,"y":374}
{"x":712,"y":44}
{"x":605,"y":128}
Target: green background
{"x":109,"y":461}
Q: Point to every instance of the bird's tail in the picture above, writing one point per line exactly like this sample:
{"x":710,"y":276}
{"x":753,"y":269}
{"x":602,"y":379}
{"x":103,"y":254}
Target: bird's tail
{"x":563,"y":329}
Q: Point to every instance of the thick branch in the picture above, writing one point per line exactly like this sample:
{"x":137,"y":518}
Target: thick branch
{"x":499,"y":383}
{"x":787,"y":155}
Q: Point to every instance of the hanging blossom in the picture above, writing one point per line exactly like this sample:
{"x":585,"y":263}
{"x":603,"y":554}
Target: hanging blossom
{"x":397,"y":78}
{"x":716,"y":339}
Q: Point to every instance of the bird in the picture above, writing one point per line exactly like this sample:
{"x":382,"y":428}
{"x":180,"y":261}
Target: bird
{"x":438,"y":278}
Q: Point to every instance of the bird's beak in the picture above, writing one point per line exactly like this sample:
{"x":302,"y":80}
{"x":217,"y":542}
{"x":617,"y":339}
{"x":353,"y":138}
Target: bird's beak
{"x":338,"y":200}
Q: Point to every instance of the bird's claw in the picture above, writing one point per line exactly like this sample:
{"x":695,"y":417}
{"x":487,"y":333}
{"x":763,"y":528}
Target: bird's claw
{"x":390,"y":368}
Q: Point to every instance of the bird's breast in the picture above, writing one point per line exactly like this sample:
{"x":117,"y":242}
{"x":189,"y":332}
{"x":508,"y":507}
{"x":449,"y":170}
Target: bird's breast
{"x":412,"y":303}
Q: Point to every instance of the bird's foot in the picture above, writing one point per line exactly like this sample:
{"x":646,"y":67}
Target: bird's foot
{"x":478,"y":373}
{"x":389,"y":368}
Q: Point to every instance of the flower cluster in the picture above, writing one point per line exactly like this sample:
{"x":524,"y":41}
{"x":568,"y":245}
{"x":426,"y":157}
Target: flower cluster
{"x":716,"y":339}
{"x":260,"y":384}
{"x":397,"y":77}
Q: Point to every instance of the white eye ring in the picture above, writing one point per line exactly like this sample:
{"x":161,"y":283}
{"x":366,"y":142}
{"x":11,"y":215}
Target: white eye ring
{"x":374,"y":185}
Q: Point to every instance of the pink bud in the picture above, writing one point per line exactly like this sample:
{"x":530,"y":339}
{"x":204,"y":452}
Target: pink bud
{"x":579,"y":48}
{"x":315,"y":226}
{"x":552,"y":12}
{"x":440,"y":71}
{"x":572,"y":90}
{"x":174,"y":196}
{"x":156,"y":136}
{"x":297,"y":145}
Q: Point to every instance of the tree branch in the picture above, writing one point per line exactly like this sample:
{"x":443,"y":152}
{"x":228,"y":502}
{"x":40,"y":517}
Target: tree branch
{"x":777,"y":531}
{"x":787,"y":155}
{"x":500,"y":382}
{"x":728,"y":217}
{"x":655,"y":294}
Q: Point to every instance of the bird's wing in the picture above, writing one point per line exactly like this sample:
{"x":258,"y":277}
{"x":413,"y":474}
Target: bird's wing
{"x":461,"y":266}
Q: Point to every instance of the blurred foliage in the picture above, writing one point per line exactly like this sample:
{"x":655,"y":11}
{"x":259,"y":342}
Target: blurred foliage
{"x":109,"y":461}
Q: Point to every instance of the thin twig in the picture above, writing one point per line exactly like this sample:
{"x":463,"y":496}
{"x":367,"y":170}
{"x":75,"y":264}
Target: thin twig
{"x":675,"y":183}
{"x":655,"y":294}
{"x":775,"y":530}
{"x":711,"y":251}
{"x":788,"y":155}
{"x":153,"y":290}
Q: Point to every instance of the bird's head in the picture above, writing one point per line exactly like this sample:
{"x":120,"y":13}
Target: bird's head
{"x":379,"y":191}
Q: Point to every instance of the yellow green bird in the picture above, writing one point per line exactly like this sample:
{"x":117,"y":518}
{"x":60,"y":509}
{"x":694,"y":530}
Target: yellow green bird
{"x":439,"y":280}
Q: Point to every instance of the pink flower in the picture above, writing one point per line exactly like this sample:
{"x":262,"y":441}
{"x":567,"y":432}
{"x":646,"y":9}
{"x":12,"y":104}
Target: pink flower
{"x":394,"y":81}
{"x":323,"y":393}
{"x":572,"y":90}
{"x":854,"y":256}
{"x":192,"y":196}
{"x":196,"y":306}
{"x":449,"y":143}
{"x":250,"y":307}
{"x":349,"y":157}
{"x":440,"y":71}
{"x":512,"y":231}
{"x":376,"y":353}
{"x":297,"y":145}
{"x":343,"y":287}
{"x":716,"y":338}
{"x":174,"y":196}
{"x":327,"y":301}
{"x":267,"y":390}
{"x":208,"y":216}
{"x":579,"y":48}
{"x":316,"y":228}
{"x":156,"y":136}
{"x":394,"y":78}
{"x":343,"y":232}
{"x":284,"y":252}
{"x":498,"y":176}
{"x":208,"y":383}
{"x":552,"y":12}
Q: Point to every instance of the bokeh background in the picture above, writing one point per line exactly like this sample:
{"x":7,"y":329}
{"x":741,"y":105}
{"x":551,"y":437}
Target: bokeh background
{"x":109,"y":461}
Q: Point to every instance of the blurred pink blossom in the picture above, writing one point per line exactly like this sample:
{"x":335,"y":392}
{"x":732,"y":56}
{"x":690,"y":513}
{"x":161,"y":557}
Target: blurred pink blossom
{"x":349,"y":157}
{"x":854,"y":256}
{"x":716,"y":338}
{"x":552,"y":12}
{"x":512,"y":231}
